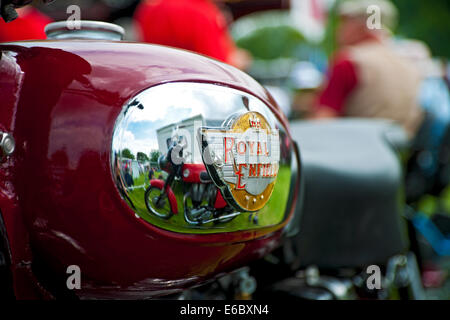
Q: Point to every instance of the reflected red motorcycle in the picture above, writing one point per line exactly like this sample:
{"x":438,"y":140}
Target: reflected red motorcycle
{"x":202,"y":200}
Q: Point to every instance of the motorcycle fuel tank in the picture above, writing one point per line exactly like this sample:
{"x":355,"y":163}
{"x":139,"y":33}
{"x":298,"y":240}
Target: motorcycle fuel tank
{"x":148,"y":167}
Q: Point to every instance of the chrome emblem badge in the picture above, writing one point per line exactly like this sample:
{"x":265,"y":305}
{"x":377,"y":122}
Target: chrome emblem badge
{"x":242,"y":157}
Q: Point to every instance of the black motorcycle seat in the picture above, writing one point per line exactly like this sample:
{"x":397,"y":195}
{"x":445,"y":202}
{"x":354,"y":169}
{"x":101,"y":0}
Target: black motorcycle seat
{"x":350,"y":215}
{"x":351,"y":148}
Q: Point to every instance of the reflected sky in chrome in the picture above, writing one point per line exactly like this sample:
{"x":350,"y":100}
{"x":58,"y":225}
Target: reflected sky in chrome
{"x":170,"y":103}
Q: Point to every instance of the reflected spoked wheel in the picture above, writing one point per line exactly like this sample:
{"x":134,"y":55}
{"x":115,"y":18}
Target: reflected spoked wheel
{"x":157,"y":202}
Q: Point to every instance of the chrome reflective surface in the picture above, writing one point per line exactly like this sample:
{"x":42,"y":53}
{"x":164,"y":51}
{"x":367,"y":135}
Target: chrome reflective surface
{"x":164,"y":121}
{"x":84,"y":29}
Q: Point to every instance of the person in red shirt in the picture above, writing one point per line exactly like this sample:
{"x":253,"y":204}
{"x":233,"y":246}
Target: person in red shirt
{"x":28,"y":26}
{"x":195,"y":25}
{"x":342,"y":81}
{"x":367,"y":78}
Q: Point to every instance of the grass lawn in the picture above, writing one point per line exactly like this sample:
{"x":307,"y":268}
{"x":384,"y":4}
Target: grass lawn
{"x":272,"y":214}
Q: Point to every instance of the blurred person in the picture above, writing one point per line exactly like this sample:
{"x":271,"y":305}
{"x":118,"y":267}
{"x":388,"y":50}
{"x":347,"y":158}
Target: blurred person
{"x":151,"y":173}
{"x":128,"y":178}
{"x":367,"y":78}
{"x":28,"y":26}
{"x":195,"y":25}
{"x":434,"y":95}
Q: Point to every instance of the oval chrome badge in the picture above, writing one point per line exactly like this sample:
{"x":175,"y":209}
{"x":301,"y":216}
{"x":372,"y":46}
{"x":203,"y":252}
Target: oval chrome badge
{"x":242,"y":157}
{"x":166,"y":176}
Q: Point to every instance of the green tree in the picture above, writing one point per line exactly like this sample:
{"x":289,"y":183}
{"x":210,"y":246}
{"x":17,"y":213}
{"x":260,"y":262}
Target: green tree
{"x":329,"y":41}
{"x":140,"y":156}
{"x":154,"y":155}
{"x":126,"y":153}
{"x":427,"y":21}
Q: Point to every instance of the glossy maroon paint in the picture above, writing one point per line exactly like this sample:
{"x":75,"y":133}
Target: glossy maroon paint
{"x":60,"y":100}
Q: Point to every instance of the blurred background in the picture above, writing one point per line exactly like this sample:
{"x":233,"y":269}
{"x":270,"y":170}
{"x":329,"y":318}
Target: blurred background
{"x":288,"y":43}
{"x":289,"y":46}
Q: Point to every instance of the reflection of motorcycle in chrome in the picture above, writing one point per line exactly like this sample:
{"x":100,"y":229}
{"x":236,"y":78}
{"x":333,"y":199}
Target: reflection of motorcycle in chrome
{"x":202,"y":201}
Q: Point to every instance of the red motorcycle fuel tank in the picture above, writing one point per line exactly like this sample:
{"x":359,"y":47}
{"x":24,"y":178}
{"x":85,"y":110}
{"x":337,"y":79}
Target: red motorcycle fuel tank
{"x":92,"y":121}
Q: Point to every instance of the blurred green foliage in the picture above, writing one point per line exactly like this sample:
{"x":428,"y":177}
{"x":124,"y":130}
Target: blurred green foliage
{"x":141,"y":156}
{"x":154,"y":155}
{"x":446,"y":200}
{"x":428,"y":21}
{"x":126,"y":153}
{"x":268,"y":35}
{"x":329,"y":41}
{"x":283,"y":42}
